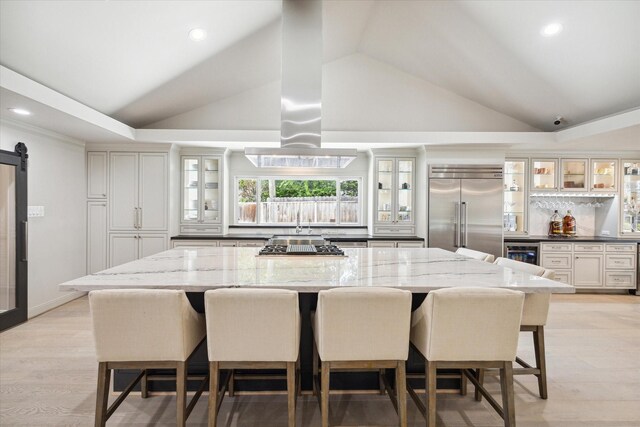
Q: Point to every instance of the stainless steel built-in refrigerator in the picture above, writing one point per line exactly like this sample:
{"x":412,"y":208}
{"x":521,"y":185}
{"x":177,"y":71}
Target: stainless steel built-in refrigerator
{"x":465,"y":207}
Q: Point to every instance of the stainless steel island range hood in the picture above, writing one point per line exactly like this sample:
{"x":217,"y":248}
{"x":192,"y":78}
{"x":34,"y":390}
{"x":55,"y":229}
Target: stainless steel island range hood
{"x":300,"y":125}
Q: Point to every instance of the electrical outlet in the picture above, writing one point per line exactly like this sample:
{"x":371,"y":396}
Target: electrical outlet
{"x":605,"y":232}
{"x":35,"y":211}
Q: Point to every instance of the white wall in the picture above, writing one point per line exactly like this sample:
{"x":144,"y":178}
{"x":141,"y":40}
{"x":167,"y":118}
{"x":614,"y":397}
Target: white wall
{"x":57,"y":241}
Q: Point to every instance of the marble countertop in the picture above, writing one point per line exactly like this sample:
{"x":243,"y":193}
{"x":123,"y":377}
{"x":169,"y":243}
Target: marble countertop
{"x":417,"y":270}
{"x":610,"y":239}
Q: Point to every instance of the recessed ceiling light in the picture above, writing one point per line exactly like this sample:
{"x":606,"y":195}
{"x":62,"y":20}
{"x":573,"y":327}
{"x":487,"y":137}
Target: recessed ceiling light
{"x":197,"y":34}
{"x":551,"y":29}
{"x":20,"y":111}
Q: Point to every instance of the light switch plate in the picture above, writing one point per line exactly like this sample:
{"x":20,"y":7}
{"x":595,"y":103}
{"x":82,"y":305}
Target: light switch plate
{"x":35,"y":211}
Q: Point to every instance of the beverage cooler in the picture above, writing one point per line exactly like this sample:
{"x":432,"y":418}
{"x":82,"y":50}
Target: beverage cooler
{"x":529,"y":252}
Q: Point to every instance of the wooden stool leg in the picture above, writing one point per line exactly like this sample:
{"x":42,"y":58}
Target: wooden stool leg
{"x":291,"y":392}
{"x":480,"y":378}
{"x":463,"y":383}
{"x":144,"y":385}
{"x":401,"y":392}
{"x":541,"y":363}
{"x":315,"y":365}
{"x":181,"y":393}
{"x":430,"y":374}
{"x":508,"y":403}
{"x":102,"y":395}
{"x":324,"y":393}
{"x":381,"y":381}
{"x":214,"y":378}
{"x":232,"y":383}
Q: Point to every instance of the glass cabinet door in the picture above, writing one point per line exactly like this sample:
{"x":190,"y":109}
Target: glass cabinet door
{"x":211,"y":189}
{"x":514,"y":196}
{"x":630,"y":196}
{"x":574,"y":175}
{"x":544,"y":174}
{"x":384,"y":208}
{"x":190,"y":193}
{"x":603,"y":175}
{"x":404,"y":187}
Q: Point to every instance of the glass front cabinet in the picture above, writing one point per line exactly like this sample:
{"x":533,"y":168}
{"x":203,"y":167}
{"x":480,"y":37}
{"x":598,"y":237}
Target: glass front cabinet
{"x":544,"y":174}
{"x":604,"y":175}
{"x":575,"y":174}
{"x":201,"y":209}
{"x":394,"y":201}
{"x":515,"y":196}
{"x":630,"y":208}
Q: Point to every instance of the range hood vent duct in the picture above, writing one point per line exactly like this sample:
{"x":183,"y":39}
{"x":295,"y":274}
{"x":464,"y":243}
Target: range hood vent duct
{"x":300,"y":105}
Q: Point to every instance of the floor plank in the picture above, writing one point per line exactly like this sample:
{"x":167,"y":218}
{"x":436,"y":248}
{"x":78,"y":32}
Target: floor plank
{"x":48,"y":378}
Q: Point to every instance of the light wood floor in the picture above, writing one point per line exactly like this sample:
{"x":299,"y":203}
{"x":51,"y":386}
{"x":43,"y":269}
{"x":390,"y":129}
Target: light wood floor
{"x":48,"y":375}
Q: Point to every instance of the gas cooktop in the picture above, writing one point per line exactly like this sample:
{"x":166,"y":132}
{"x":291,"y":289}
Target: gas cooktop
{"x":301,"y":250}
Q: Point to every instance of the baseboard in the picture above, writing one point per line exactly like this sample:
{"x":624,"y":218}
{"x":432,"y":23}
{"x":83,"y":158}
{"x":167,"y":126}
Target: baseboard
{"x":41,"y":308}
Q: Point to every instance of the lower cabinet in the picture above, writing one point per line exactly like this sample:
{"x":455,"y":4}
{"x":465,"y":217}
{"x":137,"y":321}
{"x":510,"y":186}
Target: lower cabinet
{"x":218,"y":243}
{"x":127,"y":247}
{"x":588,"y":270}
{"x":592,"y":265}
{"x":395,"y":244}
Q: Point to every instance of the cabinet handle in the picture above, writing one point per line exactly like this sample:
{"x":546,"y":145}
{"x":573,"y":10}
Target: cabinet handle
{"x":135,"y":217}
{"x":139,"y":218}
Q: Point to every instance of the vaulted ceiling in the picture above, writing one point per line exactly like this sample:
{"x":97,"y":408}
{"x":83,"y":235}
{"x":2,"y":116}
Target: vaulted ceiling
{"x":388,"y":65}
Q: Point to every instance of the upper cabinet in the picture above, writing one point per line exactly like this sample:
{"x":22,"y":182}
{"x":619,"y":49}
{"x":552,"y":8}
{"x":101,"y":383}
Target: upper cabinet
{"x":604,"y":173}
{"x":515,"y":196}
{"x":630,"y":200}
{"x":139,"y":191}
{"x":394,"y":195}
{"x":97,"y":175}
{"x":544,"y":174}
{"x":201,"y":201}
{"x":575,"y":174}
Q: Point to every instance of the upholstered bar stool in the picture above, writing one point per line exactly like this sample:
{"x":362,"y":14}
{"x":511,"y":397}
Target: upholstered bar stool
{"x":534,"y":318}
{"x":251,"y":329}
{"x":468,"y":328}
{"x":362,"y":329}
{"x":482,"y":256}
{"x":144,"y":329}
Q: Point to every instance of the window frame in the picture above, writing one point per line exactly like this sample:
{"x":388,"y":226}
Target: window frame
{"x":259,"y":179}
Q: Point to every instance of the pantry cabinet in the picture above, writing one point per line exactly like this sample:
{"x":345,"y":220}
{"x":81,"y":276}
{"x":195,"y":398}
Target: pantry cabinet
{"x":127,"y":247}
{"x":138,"y":194}
{"x":97,"y":256}
{"x":97,"y":175}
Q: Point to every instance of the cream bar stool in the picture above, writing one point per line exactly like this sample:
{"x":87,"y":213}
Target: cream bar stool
{"x":466,"y":328}
{"x":534,"y":318}
{"x":251,"y":329}
{"x":475,"y":254}
{"x":362,"y":329}
{"x":144,"y":329}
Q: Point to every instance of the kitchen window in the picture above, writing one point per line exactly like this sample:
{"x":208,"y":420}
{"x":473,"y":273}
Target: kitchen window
{"x":278,"y":200}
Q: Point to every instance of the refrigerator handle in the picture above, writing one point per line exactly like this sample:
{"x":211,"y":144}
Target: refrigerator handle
{"x":456,"y":223}
{"x":463,"y":224}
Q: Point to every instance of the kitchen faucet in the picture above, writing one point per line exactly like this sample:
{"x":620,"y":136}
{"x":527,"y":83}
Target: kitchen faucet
{"x":298,"y":226}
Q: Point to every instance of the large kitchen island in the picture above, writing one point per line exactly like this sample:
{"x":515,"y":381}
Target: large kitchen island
{"x":199,"y":269}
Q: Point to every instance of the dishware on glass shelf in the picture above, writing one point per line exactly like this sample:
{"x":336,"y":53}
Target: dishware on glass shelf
{"x":193,"y":184}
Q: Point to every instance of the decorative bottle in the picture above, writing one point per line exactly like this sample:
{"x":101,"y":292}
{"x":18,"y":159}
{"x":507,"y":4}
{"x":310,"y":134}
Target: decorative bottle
{"x":569,"y":224}
{"x":555,"y":224}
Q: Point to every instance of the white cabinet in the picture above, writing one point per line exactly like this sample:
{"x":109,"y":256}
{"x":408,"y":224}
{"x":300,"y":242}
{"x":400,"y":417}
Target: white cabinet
{"x":604,"y":173}
{"x":96,"y":236}
{"x":201,"y":195}
{"x":395,"y":244}
{"x":138,"y":191}
{"x":97,"y":175}
{"x":592,"y":264}
{"x":514,"y":217}
{"x":127,"y":247}
{"x":574,"y":174}
{"x":193,"y":243}
{"x":588,"y":269}
{"x":394,"y":195}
